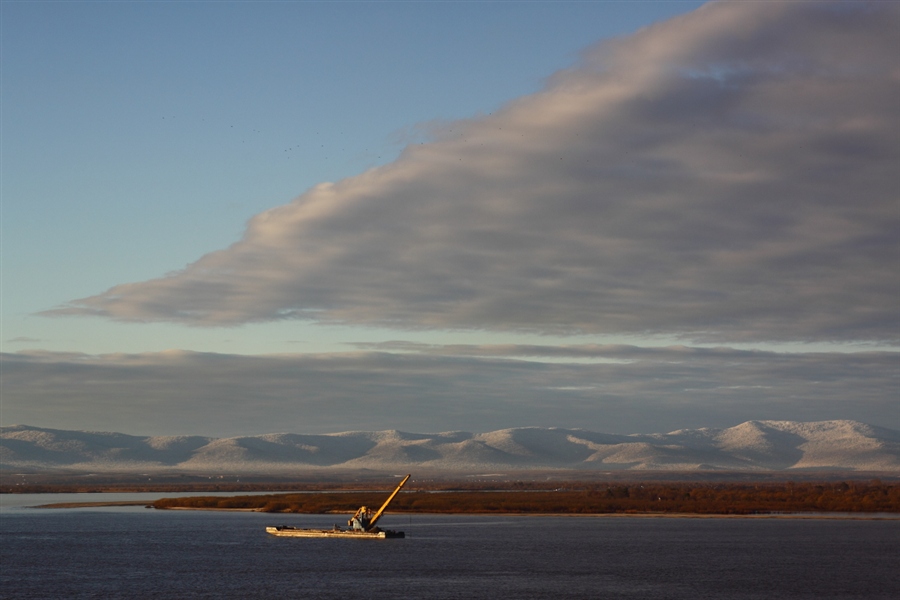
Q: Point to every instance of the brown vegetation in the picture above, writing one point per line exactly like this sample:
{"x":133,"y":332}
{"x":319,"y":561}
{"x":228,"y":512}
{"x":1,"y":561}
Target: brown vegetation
{"x":594,"y":498}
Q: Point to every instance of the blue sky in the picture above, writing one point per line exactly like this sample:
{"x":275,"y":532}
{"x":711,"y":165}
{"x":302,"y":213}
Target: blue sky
{"x":139,"y":136}
{"x":518,"y":187}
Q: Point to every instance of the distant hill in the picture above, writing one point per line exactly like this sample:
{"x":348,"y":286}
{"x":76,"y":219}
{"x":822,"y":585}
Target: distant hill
{"x":751,"y":446}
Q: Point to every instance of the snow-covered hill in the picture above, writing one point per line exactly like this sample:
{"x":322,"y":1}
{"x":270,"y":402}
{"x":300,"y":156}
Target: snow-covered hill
{"x":751,"y":446}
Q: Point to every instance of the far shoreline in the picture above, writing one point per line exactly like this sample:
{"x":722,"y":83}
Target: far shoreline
{"x":842,"y":516}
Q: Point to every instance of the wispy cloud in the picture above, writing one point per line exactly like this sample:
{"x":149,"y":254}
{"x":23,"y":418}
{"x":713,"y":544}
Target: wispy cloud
{"x":644,"y":390}
{"x":569,"y":351}
{"x":22,"y":340}
{"x":727,"y":175}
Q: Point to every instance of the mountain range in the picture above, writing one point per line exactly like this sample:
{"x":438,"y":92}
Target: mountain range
{"x":750,"y":446}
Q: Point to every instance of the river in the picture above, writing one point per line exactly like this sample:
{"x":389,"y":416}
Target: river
{"x":134,"y":552}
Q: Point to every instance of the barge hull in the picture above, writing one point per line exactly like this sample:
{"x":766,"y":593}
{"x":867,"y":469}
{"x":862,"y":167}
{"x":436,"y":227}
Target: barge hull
{"x":333,"y":533}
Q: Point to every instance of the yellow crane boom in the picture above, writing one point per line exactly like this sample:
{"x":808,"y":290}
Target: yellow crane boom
{"x":385,"y":505}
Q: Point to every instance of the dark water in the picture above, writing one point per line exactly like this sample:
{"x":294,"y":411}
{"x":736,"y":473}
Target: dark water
{"x":141,"y":553}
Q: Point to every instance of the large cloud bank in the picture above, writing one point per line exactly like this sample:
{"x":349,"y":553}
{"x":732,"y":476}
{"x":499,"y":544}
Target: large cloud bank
{"x":730,"y":174}
{"x":434,"y":388}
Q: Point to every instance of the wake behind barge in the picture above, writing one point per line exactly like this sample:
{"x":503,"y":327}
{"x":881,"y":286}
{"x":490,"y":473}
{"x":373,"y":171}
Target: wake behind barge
{"x":361,"y":525}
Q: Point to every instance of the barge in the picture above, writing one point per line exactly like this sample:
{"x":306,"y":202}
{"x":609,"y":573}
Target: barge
{"x":360,"y":526}
{"x":337,"y":532}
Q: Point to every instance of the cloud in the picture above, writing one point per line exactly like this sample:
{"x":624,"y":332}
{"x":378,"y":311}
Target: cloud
{"x":727,"y":175}
{"x":634,"y":390}
{"x":619,"y":352}
{"x":22,"y":340}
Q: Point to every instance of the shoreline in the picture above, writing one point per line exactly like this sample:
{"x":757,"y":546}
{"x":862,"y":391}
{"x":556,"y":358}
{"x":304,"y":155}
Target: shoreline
{"x":659,"y":515}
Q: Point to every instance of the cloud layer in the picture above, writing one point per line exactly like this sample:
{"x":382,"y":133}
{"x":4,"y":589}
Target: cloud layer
{"x":730,"y":175}
{"x":433,"y":388}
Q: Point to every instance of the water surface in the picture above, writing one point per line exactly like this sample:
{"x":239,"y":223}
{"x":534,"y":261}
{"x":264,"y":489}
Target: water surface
{"x":133,"y":552}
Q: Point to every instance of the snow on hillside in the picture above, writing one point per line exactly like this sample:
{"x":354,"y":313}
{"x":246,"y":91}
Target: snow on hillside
{"x":750,"y":446}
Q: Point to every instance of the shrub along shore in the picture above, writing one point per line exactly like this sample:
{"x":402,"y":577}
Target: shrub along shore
{"x":597,"y":498}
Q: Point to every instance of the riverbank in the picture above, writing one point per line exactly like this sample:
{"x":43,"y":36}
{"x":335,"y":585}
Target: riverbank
{"x":651,"y":515}
{"x":643,"y":498}
{"x":703,"y":500}
{"x":624,"y":515}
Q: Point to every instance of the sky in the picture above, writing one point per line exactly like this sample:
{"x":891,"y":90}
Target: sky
{"x":254,"y":217}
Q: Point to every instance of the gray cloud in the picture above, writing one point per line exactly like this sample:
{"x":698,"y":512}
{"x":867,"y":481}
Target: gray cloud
{"x":636,"y":390}
{"x":621,"y":352}
{"x":727,"y":175}
{"x":22,"y":340}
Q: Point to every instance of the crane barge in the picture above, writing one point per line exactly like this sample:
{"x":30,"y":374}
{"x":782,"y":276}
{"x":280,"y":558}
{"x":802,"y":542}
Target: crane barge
{"x":360,"y":525}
